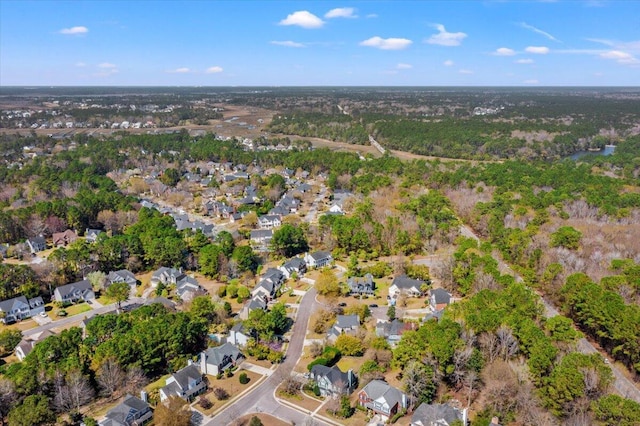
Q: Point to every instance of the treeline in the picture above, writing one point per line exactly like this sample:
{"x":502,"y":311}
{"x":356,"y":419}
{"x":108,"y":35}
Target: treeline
{"x":335,"y":127}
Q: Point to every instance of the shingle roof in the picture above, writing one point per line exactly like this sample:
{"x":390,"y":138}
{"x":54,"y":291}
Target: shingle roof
{"x":216,"y":355}
{"x":190,"y":372}
{"x":376,"y":389}
{"x":435,"y":414}
{"x":347,"y":321}
{"x":15,"y":303}
{"x":441,"y":296}
{"x":333,"y":374}
{"x":404,"y":282}
{"x":130,"y":405}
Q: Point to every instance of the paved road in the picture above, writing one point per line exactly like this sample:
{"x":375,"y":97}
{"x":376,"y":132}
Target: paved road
{"x":622,"y":385}
{"x":77,"y":318}
{"x":261,"y":398}
{"x":313,"y":210}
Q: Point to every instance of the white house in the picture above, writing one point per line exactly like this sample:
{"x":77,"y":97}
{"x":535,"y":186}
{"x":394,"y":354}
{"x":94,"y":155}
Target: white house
{"x":318,"y":259}
{"x":214,"y":361}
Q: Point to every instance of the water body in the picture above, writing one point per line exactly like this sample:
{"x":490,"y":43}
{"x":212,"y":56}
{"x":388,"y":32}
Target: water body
{"x":608,"y":150}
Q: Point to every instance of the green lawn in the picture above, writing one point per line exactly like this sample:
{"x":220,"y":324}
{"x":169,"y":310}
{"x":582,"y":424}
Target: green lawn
{"x":77,"y":309}
{"x":153,"y":386}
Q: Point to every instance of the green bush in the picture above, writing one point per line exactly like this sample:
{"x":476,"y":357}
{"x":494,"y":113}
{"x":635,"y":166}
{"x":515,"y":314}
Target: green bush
{"x":243,"y":378}
{"x":329,"y":357}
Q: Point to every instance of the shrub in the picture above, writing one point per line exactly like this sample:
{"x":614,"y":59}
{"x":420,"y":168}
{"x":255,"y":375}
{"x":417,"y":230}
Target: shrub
{"x":204,"y":402}
{"x":62,"y":313}
{"x":244,"y":379}
{"x":229,"y":373}
{"x":220,"y":394}
{"x":255,"y":421}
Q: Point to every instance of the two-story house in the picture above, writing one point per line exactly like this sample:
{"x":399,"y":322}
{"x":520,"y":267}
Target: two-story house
{"x":37,"y":244}
{"x":347,"y":324}
{"x":122,"y":276}
{"x":269,"y":221}
{"x":439,"y":299}
{"x":186,"y":383}
{"x":404,"y":285}
{"x":214,"y":361}
{"x":361,"y":286}
{"x":318,"y":259}
{"x":63,"y":239}
{"x":15,"y":309}
{"x":438,"y":415}
{"x":296,"y":266}
{"x":72,"y":293}
{"x":382,"y":398}
{"x":132,"y":411}
{"x":332,"y":381}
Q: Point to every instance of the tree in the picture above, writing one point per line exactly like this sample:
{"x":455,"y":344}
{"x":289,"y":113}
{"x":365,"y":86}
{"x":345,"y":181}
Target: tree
{"x":170,"y":177}
{"x":566,"y":237}
{"x":203,"y":307}
{"x":349,"y":345}
{"x":615,"y":410}
{"x":97,"y":279}
{"x":289,"y":240}
{"x":255,"y":421}
{"x":8,"y":397}
{"x":72,"y":391}
{"x":9,"y":339}
{"x":245,"y":258}
{"x":209,"y":259}
{"x":418,"y":382}
{"x":34,"y":410}
{"x":173,"y":412}
{"x":327,"y":283}
{"x":119,"y":291}
{"x":391,"y":313}
{"x":110,"y":377}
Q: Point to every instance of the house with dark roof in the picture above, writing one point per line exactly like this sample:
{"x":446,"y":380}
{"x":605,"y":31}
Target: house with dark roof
{"x":132,"y":411}
{"x":15,"y":309}
{"x":261,"y":237}
{"x":348,"y":324}
{"x":37,"y":244}
{"x":257,"y":301}
{"x":186,"y":383}
{"x":439,"y":299}
{"x":188,"y":288}
{"x":332,"y":381}
{"x":238,"y":335}
{"x":269,"y":221}
{"x":166,"y":276}
{"x":404,"y":285}
{"x":382,"y":398}
{"x":214,"y":361}
{"x":362,"y":286}
{"x":296,"y":266}
{"x":121,"y":276}
{"x":318,"y":259}
{"x":63,"y":239}
{"x":392,"y":331}
{"x":71,"y":293}
{"x":36,"y":305}
{"x":437,"y":415}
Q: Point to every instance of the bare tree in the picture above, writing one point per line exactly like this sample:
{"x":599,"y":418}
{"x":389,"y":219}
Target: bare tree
{"x":490,"y":346}
{"x":418,"y":384}
{"x":135,"y":379}
{"x":507,"y":343}
{"x":8,"y":397}
{"x":110,"y":377}
{"x":72,"y":391}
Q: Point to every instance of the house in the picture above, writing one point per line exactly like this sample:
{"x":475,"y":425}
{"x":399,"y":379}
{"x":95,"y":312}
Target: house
{"x":404,"y":285}
{"x":363,"y":286}
{"x":91,"y":235}
{"x":122,"y":276}
{"x":348,"y":324}
{"x":15,"y":309}
{"x":36,"y":305}
{"x":74,"y":292}
{"x":258,"y":301}
{"x":318,"y":259}
{"x":332,"y":381}
{"x":439,"y":299}
{"x":63,"y":239}
{"x":27,"y":343}
{"x":214,"y":361}
{"x":392,"y":331}
{"x":296,"y":266}
{"x":265,"y":290}
{"x":238,"y":335}
{"x":166,"y":276}
{"x":132,"y":411}
{"x":269,"y":221}
{"x":188,"y":288}
{"x":261,"y":236}
{"x":185,"y":383}
{"x":37,"y":244}
{"x":274,"y":275}
{"x":437,"y":415}
{"x":382,"y":398}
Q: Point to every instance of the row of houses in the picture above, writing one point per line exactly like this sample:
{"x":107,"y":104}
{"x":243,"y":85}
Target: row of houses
{"x":61,"y":239}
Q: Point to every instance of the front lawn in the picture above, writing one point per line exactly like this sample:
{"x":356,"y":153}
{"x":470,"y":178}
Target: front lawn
{"x":77,"y":309}
{"x":231,"y":385}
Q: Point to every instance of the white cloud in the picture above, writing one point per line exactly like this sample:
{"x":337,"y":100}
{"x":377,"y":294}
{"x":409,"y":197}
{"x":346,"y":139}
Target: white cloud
{"x":74,"y":30}
{"x":448,"y":63}
{"x":539,"y":50}
{"x":371,"y":15}
{"x":287,"y":43}
{"x":532,"y":81}
{"x":80,"y":64}
{"x":387,"y":43}
{"x":444,"y":38}
{"x":341,"y":12}
{"x":538,"y":31}
{"x":465,"y":72}
{"x":106,"y":65}
{"x":214,"y":70}
{"x":402,"y":66}
{"x":504,"y":51}
{"x":524,"y":61}
{"x":181,"y":70}
{"x":304,"y":19}
{"x":620,"y":57}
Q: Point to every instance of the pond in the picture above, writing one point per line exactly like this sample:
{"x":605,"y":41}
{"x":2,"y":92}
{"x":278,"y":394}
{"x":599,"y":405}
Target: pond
{"x":608,"y":150}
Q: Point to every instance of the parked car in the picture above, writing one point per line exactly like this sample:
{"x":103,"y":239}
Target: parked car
{"x":373,"y":305}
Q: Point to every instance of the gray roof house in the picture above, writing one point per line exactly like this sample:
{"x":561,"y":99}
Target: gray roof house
{"x":238,"y":335}
{"x":27,"y":343}
{"x":121,"y":276}
{"x":37,"y":244}
{"x":318,"y":259}
{"x":74,"y":292}
{"x":439,"y":299}
{"x":91,"y":235}
{"x":269,"y":221}
{"x":166,"y":276}
{"x":348,"y":324}
{"x":437,"y":415}
{"x":188,"y":288}
{"x":185,"y":383}
{"x":258,"y":301}
{"x":15,"y":309}
{"x":214,"y":361}
{"x":361,"y":285}
{"x":332,"y":381}
{"x":392,"y":331}
{"x":296,"y":265}
{"x":382,"y":398}
{"x":404,"y":285}
{"x":132,"y":411}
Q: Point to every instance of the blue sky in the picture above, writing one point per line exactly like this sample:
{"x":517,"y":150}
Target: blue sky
{"x":300,"y":43}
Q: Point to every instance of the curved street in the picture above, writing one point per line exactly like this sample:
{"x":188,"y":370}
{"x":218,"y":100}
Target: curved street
{"x":262,"y":397}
